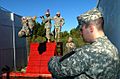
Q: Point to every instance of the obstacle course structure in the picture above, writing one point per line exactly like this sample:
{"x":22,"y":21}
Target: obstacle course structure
{"x":37,"y":67}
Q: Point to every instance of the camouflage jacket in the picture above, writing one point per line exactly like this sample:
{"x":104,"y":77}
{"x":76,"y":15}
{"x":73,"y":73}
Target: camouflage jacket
{"x":99,"y":60}
{"x":47,"y":22}
{"x":59,"y":21}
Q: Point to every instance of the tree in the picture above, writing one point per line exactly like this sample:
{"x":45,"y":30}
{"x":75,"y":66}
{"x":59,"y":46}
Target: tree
{"x":64,"y":34}
{"x":75,"y":33}
{"x":39,"y":30}
{"x":38,"y":33}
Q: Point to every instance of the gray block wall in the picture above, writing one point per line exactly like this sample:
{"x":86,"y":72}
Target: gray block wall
{"x":6,"y":41}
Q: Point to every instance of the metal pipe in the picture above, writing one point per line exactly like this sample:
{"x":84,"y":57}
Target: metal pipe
{"x":14,"y":51}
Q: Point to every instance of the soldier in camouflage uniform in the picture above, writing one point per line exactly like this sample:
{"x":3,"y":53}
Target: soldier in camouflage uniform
{"x":48,"y":25}
{"x":59,"y":22}
{"x":27,"y":28}
{"x":31,"y":23}
{"x":97,"y":60}
{"x":70,"y":45}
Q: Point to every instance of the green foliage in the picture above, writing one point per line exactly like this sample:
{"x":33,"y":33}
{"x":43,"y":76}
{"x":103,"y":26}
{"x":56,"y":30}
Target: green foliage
{"x":64,"y":34}
{"x":39,"y":30}
{"x":38,"y":39}
{"x":38,"y":33}
{"x":75,"y":33}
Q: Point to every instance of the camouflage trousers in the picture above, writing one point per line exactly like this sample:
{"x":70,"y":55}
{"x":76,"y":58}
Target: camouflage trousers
{"x":48,"y":31}
{"x":57,"y":33}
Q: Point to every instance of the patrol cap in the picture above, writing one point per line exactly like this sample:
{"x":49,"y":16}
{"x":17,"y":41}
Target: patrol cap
{"x":23,"y":17}
{"x":58,"y":13}
{"x":88,"y":16}
{"x":70,"y":39}
{"x":47,"y":12}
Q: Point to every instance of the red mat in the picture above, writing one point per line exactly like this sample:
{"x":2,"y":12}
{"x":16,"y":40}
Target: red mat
{"x":19,"y":74}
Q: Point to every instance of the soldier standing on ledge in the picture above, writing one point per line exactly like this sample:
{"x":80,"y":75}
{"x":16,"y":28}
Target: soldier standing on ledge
{"x":99,"y":59}
{"x":48,"y":25}
{"x":59,"y":22}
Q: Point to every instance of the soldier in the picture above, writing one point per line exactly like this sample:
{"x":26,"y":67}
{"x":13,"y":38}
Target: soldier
{"x":27,"y":28}
{"x":59,"y":22}
{"x":97,"y":60}
{"x":48,"y":25}
{"x":70,"y":45}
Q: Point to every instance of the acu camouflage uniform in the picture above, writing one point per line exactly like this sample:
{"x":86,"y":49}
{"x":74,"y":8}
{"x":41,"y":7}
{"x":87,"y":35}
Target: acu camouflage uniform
{"x":27,"y":28}
{"x":48,"y":25}
{"x":98,"y":60}
{"x":70,"y":45}
{"x":59,"y":22}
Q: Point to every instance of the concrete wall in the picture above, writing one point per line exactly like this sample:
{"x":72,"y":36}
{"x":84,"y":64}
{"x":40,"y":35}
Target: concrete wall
{"x":111,"y":13}
{"x":6,"y":41}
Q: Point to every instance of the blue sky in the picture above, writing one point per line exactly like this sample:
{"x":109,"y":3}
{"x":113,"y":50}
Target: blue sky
{"x":69,"y":9}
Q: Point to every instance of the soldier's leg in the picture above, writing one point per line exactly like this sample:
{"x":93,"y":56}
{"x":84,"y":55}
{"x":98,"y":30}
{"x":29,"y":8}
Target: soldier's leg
{"x":55,"y":33}
{"x":30,"y":29}
{"x":30,"y":26}
{"x":48,"y":34}
{"x":58,"y":34}
{"x":27,"y":32}
{"x":23,"y":27}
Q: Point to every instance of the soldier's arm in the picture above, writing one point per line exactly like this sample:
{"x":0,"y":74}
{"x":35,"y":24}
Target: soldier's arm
{"x":43,"y":19}
{"x":71,"y":64}
{"x":52,"y":18}
{"x":62,"y":21}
